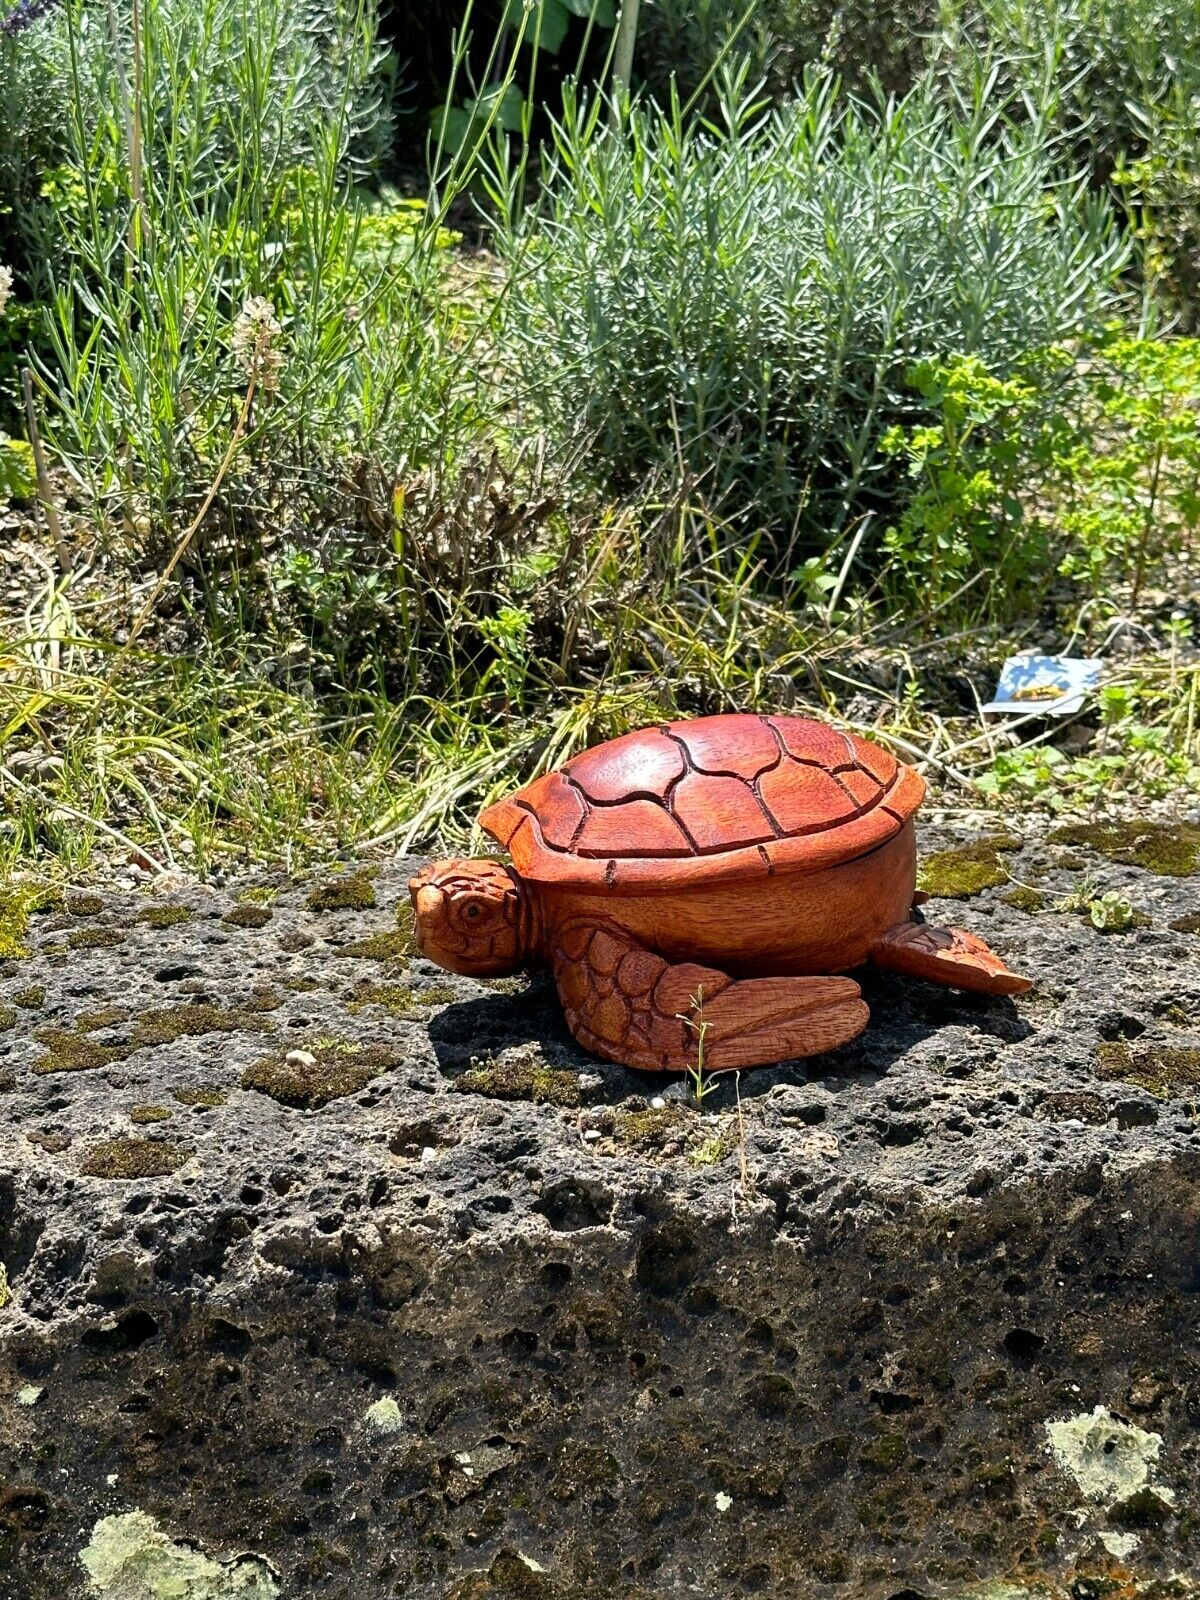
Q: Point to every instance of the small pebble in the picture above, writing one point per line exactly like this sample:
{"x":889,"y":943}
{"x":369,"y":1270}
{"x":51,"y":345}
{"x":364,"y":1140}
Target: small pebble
{"x":300,"y":1058}
{"x":658,"y":1102}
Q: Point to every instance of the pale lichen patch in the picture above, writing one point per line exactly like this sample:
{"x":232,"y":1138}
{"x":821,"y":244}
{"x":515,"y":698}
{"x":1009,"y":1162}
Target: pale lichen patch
{"x":129,"y":1557}
{"x":1108,"y":1459}
{"x":384,"y":1416}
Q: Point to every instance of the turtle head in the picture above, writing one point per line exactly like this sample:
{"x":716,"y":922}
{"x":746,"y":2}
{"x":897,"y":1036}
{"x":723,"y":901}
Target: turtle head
{"x":470,"y":917}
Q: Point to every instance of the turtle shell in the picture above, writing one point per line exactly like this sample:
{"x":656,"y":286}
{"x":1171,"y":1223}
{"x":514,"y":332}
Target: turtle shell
{"x":687,"y":803}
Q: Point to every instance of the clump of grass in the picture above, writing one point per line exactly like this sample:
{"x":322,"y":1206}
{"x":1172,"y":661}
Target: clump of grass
{"x":31,"y":998}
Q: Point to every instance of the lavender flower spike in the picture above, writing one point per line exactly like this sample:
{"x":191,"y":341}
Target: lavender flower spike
{"x":23,"y":15}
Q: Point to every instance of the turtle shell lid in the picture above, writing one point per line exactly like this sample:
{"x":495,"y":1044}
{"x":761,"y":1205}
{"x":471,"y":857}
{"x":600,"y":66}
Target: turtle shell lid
{"x":704,"y":801}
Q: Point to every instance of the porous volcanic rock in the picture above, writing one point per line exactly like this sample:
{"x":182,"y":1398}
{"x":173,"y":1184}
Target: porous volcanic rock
{"x":330,"y":1275}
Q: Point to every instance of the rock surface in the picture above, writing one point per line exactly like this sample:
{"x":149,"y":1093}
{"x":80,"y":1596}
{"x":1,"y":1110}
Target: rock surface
{"x":331,"y":1275}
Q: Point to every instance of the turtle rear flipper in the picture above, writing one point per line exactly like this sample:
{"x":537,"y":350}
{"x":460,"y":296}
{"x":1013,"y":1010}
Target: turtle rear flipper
{"x":949,"y":956}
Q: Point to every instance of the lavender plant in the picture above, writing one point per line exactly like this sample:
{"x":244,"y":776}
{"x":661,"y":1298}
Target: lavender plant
{"x":745,"y":303}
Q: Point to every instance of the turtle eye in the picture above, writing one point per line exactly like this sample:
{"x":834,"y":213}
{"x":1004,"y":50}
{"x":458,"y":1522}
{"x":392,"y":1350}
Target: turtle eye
{"x":472,"y":911}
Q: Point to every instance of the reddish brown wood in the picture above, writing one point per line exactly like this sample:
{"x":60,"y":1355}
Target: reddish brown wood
{"x":626,"y":1004}
{"x":705,"y":879}
{"x":637,"y":763}
{"x":946,"y":955}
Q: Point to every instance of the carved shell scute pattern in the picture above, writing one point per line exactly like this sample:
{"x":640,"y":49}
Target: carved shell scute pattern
{"x":706,"y":786}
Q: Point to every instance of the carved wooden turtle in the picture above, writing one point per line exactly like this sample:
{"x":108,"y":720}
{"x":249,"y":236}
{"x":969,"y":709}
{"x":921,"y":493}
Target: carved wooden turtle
{"x":705,"y":879}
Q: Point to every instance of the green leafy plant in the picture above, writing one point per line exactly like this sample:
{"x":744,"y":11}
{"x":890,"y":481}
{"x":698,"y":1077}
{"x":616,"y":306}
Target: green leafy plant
{"x":1082,"y":463}
{"x":18,"y":479}
{"x":971,"y":468}
{"x":1111,"y":912}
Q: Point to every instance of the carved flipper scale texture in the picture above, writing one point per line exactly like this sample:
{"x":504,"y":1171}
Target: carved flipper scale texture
{"x":950,"y":956}
{"x":626,"y":1004}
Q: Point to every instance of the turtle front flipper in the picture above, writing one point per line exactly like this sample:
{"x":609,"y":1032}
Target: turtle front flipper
{"x":626,"y":1004}
{"x":950,"y":956}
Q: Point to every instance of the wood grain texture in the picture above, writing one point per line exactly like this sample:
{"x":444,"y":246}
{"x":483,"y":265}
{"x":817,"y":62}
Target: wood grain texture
{"x":946,"y":955}
{"x":759,"y":926}
{"x":626,"y":1004}
{"x":713,"y":800}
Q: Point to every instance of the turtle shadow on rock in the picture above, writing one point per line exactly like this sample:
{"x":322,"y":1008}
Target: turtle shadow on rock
{"x":903,"y":1014}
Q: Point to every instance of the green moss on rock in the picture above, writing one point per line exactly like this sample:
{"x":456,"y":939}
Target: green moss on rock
{"x":353,"y":892}
{"x":398,"y":998}
{"x":74,"y":1052}
{"x":96,"y":938}
{"x":83,"y":904}
{"x":8,"y":1017}
{"x":1161,"y":1069}
{"x":101,"y":1017}
{"x":165,"y":1024}
{"x":133,"y":1158}
{"x":380,"y":947}
{"x":165,"y":916}
{"x":1168,"y":849}
{"x":258,"y":895}
{"x":248,"y":917}
{"x":312,"y":1075}
{"x":32,"y":998}
{"x":141,"y":1114}
{"x":18,"y":901}
{"x":262,"y":998}
{"x":647,"y":1131}
{"x":522,"y":1079}
{"x":885,"y":1453}
{"x":208,"y":1098}
{"x":1023,"y":898}
{"x":967,"y":869}
{"x":1187,"y":924}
